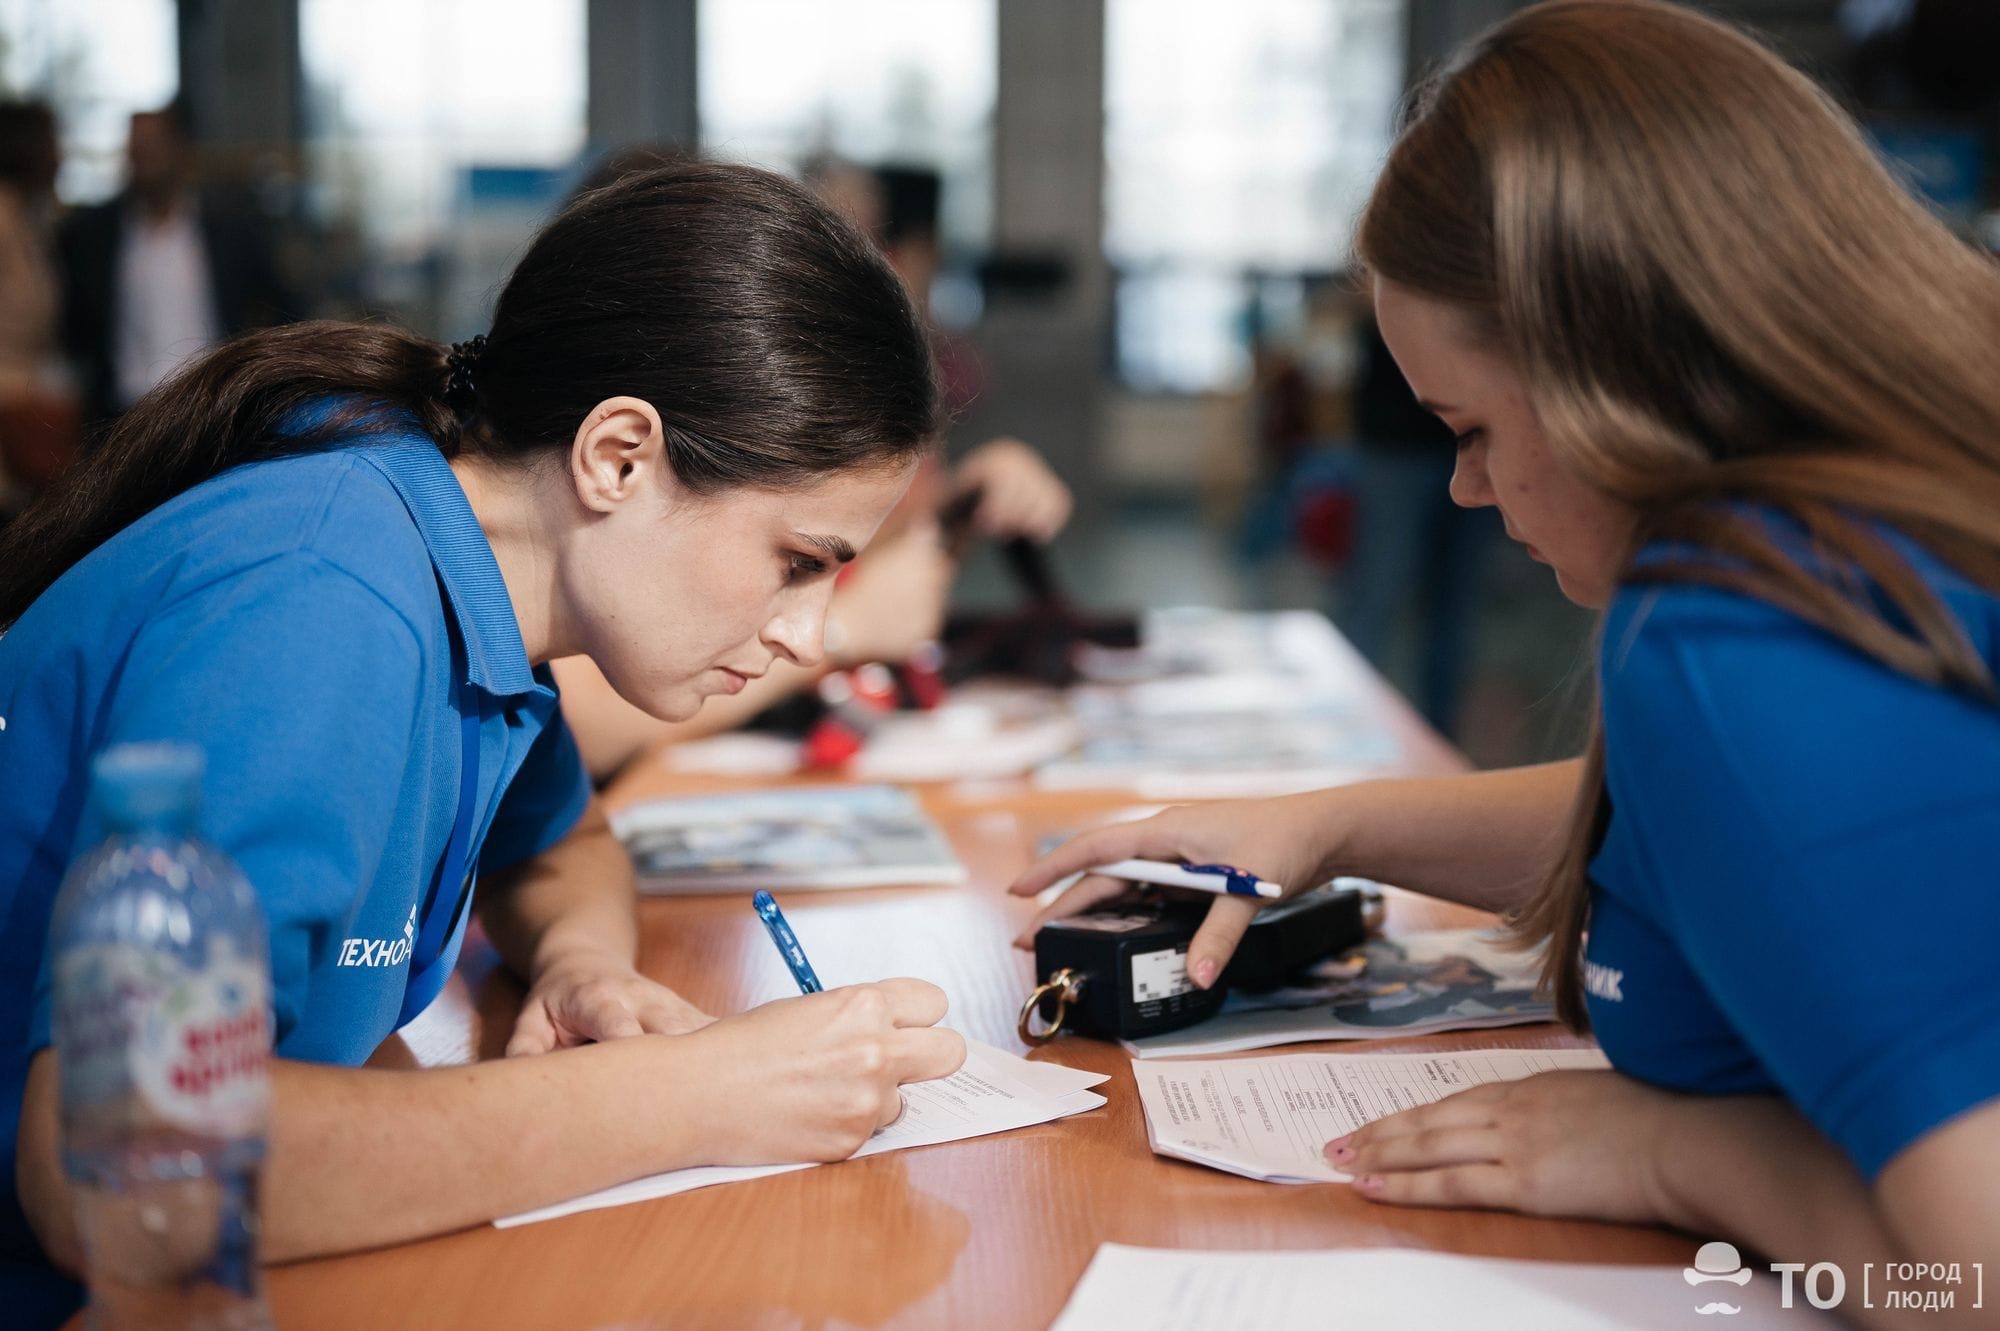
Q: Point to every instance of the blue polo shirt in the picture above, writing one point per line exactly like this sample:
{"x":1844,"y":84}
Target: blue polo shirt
{"x":290,"y":618}
{"x":1799,"y":888}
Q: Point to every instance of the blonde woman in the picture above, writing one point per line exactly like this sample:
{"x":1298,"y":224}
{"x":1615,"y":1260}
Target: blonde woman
{"x":1735,"y":388}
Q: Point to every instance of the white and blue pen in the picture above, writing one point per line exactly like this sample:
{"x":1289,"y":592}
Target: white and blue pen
{"x":787,"y":941}
{"x":1221,"y":879}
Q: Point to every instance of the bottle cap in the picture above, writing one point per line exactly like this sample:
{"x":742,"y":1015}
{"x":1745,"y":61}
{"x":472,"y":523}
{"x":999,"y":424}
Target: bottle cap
{"x":152,"y":787}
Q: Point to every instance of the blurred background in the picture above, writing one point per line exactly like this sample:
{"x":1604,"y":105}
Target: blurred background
{"x":1131,"y":220}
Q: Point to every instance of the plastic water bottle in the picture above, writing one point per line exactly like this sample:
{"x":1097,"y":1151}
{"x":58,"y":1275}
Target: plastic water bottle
{"x":162,"y":1031}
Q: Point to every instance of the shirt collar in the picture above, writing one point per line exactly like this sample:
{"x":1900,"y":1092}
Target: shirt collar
{"x":496,"y":657}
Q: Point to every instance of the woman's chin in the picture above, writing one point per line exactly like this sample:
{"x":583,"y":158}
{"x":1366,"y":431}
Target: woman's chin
{"x":1590,"y":595}
{"x":680,"y":707}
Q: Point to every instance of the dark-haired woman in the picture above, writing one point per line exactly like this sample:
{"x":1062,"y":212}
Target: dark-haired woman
{"x":1733,"y":386}
{"x":338,"y":558}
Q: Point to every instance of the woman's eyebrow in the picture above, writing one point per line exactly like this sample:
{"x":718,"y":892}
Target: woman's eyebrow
{"x":833,"y":547}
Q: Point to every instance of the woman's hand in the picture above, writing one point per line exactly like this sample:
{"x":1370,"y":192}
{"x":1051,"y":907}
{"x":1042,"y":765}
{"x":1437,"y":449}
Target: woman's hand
{"x":1575,"y":1144}
{"x":591,"y":996}
{"x":1018,"y":494}
{"x":1282,"y":840}
{"x":811,"y":1078}
{"x":894,"y":601}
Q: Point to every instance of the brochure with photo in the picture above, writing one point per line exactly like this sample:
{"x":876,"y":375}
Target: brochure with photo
{"x":796,"y":838}
{"x":1410,"y":984}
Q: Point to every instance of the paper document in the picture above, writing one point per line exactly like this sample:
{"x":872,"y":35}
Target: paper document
{"x":1408,"y":984}
{"x":993,"y":1092}
{"x":1392,"y":1289}
{"x":1268,"y":1118}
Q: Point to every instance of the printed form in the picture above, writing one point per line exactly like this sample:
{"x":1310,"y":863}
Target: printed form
{"x":1393,"y":1289}
{"x":993,"y":1092}
{"x":1268,"y":1118}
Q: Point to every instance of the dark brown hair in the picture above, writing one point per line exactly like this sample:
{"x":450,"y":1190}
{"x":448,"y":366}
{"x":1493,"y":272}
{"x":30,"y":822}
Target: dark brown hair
{"x":1712,"y":291}
{"x":28,"y":145}
{"x":775,"y":344}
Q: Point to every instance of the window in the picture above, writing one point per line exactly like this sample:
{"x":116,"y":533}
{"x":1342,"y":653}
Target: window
{"x":1240,"y":142}
{"x":442,"y":131}
{"x":95,"y":62}
{"x":909,"y":82}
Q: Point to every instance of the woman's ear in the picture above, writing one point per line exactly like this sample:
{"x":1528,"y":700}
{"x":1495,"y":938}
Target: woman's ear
{"x":619,"y":452}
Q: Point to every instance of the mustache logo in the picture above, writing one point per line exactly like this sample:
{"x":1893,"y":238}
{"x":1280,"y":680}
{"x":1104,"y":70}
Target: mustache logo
{"x":1726,"y":1309}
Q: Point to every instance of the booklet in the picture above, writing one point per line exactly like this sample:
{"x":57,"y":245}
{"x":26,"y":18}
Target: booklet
{"x":993,"y":1092}
{"x":793,"y":837}
{"x":1394,"y":1289}
{"x":1268,"y":1118}
{"x":1411,"y":984}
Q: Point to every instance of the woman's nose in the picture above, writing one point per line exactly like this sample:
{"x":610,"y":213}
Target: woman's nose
{"x":1470,"y":487}
{"x":798,"y":636}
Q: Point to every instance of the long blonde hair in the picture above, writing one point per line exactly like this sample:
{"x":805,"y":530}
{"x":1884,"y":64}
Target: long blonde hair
{"x":1712,"y":291}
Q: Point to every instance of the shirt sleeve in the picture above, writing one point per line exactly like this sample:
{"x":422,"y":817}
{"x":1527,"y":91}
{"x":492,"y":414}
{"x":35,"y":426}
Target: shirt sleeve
{"x":1822,"y":830}
{"x":300,"y":685}
{"x":543,"y":801}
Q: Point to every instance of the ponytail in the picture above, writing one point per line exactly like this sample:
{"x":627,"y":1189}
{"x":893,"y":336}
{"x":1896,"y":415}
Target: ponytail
{"x":269,"y":394}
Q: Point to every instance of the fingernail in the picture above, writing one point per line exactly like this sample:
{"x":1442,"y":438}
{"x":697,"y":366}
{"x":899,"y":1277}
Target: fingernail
{"x":1339,"y":1151}
{"x":1204,"y":972}
{"x":1369,"y":1183}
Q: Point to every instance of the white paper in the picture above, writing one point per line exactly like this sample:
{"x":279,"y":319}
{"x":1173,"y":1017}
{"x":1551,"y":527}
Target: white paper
{"x":1268,"y":1118}
{"x":1391,"y":1289}
{"x":993,"y":1092}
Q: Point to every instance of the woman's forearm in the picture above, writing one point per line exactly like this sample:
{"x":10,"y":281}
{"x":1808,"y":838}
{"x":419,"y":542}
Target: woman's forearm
{"x":1485,"y":839}
{"x":362,"y":1157}
{"x":577,"y":895}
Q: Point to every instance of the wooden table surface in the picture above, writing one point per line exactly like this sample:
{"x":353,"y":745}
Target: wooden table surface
{"x":988,"y":1233}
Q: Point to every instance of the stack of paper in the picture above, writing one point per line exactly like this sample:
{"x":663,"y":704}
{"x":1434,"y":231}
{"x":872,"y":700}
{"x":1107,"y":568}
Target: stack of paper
{"x":1399,"y":1290}
{"x":1219,"y":705}
{"x":791,"y":838}
{"x":1269,"y":1118}
{"x":983,"y":731}
{"x":1408,"y":984}
{"x":993,"y":1092}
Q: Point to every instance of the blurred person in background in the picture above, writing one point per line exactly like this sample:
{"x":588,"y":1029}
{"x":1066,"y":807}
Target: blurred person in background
{"x":38,"y":417}
{"x":893,"y":600}
{"x":1415,"y":551}
{"x":163,"y":271}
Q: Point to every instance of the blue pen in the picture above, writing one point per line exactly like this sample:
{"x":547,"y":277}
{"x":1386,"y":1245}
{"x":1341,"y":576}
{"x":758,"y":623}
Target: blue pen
{"x":787,"y":941}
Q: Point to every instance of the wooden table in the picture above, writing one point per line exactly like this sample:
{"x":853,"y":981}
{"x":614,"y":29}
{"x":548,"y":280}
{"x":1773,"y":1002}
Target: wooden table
{"x":986,"y":1233}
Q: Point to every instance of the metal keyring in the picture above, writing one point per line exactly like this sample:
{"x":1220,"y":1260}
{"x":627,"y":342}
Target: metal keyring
{"x":1065,"y":984}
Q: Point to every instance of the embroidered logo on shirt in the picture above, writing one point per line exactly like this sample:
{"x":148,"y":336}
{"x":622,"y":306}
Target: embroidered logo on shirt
{"x":380,"y":951}
{"x":1603,"y":982}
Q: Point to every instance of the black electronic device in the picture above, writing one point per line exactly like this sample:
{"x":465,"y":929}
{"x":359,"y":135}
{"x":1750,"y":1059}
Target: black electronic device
{"x":1119,"y":972}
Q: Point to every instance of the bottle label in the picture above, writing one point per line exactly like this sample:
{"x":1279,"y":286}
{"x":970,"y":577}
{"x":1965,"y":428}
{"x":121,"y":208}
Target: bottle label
{"x":192,"y":1046}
